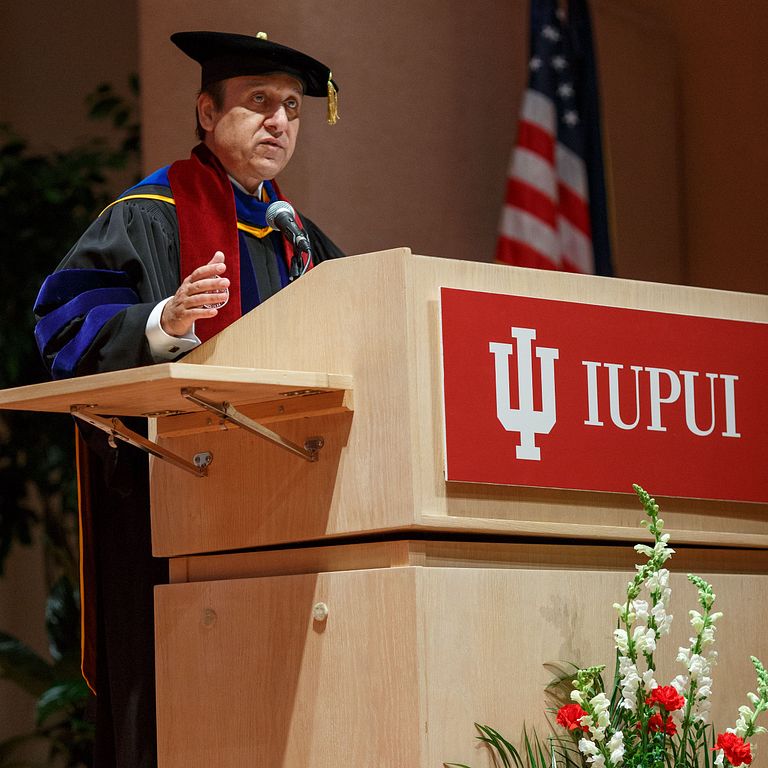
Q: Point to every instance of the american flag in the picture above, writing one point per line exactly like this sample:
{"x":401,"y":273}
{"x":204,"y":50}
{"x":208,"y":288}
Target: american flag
{"x":554,"y":216}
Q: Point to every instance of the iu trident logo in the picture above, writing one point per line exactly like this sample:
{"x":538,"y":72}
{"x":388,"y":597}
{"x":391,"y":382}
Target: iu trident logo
{"x":525,"y":420}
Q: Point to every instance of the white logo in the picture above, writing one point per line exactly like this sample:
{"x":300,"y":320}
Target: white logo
{"x":525,"y":419}
{"x":659,"y":379}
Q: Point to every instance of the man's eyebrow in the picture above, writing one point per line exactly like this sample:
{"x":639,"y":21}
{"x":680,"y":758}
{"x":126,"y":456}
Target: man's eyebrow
{"x":258,"y":82}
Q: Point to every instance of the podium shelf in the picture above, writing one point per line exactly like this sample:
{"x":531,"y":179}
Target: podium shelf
{"x":156,"y":390}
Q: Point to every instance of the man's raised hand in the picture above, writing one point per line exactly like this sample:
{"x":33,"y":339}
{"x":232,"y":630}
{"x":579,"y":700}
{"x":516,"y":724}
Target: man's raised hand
{"x":196,"y":298}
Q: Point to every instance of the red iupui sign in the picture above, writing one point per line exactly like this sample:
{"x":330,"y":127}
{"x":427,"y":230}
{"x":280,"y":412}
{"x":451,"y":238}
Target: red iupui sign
{"x":558,"y":394}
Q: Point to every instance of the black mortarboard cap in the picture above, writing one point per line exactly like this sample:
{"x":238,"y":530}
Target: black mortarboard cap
{"x":222,"y":55}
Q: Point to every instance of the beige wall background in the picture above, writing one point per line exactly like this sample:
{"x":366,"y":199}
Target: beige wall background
{"x":429,"y":97}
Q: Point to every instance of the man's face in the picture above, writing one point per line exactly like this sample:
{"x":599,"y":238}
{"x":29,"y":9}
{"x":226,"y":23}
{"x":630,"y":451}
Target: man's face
{"x":254,"y":132}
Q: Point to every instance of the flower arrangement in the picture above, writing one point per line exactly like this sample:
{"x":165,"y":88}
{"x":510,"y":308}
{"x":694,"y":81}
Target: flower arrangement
{"x":645,"y":724}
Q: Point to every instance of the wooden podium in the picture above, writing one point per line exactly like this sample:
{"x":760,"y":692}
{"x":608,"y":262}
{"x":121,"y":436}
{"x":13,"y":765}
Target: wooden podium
{"x":347,"y":606}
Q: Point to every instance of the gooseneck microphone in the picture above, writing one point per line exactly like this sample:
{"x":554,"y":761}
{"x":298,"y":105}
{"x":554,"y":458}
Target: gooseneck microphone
{"x":281,"y":216}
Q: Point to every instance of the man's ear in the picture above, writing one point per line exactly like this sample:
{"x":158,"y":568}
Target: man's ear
{"x":206,"y":111}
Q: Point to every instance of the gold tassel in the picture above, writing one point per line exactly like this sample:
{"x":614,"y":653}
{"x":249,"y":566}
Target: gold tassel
{"x":333,"y":102}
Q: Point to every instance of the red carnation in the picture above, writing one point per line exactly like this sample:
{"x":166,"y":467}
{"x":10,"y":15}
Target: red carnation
{"x":736,"y":750}
{"x":666,"y":696}
{"x":656,"y":724}
{"x":569,"y":716}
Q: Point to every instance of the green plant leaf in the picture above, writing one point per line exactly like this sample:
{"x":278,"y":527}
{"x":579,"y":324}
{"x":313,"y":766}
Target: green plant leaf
{"x":21,"y":665}
{"x":63,"y":696}
{"x":62,"y":619}
{"x":506,"y":752}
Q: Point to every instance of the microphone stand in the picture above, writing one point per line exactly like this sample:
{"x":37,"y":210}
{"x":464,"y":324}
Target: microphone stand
{"x":298,"y":265}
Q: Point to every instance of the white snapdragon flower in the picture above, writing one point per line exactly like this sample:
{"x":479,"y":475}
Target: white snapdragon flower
{"x":661,"y":550}
{"x":704,"y":691}
{"x":644,"y":639}
{"x":629,"y":681}
{"x":645,"y":550}
{"x":719,"y":758}
{"x":587,"y":747}
{"x":697,"y":620}
{"x":698,"y":666}
{"x":598,"y":761}
{"x":621,"y":640}
{"x":662,"y":619}
{"x":616,"y":748}
{"x":680,"y":683}
{"x":640,"y":609}
{"x":649,"y":681}
{"x":600,"y":702}
{"x":658,"y":580}
{"x":701,"y":710}
{"x":742,"y":724}
{"x":577,"y":697}
{"x":600,"y":706}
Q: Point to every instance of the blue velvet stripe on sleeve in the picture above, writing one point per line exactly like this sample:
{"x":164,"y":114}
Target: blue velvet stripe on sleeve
{"x":63,"y":286}
{"x":66,"y":360}
{"x":53,"y":323}
{"x":78,"y":301}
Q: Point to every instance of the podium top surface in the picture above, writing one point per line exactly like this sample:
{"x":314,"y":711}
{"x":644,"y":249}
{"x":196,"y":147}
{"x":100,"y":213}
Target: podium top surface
{"x":156,"y":390}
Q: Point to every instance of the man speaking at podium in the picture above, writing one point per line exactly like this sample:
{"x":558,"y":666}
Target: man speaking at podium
{"x":173,"y":261}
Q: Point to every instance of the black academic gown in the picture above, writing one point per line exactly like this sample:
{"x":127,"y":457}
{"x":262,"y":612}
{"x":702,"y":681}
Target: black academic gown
{"x":132,"y":247}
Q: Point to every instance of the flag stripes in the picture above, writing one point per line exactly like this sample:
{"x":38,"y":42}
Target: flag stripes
{"x":547,"y":220}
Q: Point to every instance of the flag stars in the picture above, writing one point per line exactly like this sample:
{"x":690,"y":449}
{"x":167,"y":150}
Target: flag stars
{"x":550,"y":33}
{"x":565,"y":90}
{"x":535,"y":64}
{"x":571,"y":118}
{"x":559,"y":63}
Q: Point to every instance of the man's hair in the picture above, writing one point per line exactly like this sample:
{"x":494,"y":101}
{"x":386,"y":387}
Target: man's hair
{"x":216,"y":92}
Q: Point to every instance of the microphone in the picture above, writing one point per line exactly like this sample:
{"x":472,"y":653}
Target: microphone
{"x":281,"y":216}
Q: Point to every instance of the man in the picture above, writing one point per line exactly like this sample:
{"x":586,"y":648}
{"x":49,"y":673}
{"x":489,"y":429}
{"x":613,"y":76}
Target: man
{"x":173,"y":261}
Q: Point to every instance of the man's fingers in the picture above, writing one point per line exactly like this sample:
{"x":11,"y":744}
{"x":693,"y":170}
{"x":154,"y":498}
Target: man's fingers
{"x":195,"y":300}
{"x":212,"y":269}
{"x":197,"y":297}
{"x":209,"y":285}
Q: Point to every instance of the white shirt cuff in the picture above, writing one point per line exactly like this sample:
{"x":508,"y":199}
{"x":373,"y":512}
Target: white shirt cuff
{"x":163,"y":346}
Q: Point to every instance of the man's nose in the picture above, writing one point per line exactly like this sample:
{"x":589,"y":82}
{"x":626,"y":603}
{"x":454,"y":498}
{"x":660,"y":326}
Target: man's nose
{"x":277,"y":121}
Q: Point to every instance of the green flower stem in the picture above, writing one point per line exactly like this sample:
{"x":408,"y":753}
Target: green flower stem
{"x":706,"y":601}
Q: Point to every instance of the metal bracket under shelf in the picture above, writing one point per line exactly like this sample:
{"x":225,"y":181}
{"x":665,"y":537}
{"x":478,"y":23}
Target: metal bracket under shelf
{"x":224,"y":410}
{"x":115,"y":428}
